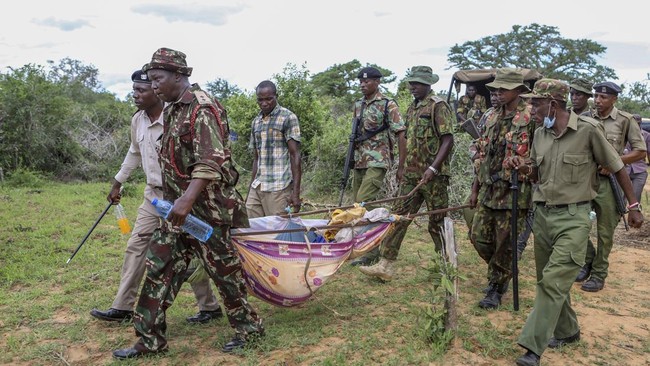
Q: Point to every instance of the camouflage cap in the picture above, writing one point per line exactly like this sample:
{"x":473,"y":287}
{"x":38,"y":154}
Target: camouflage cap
{"x":422,"y":74}
{"x":581,"y":85}
{"x":549,"y":89}
{"x":170,"y":60}
{"x":509,"y":79}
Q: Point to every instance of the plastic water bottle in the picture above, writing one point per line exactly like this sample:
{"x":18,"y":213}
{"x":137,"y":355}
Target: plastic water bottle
{"x":122,"y":220}
{"x":193,"y":226}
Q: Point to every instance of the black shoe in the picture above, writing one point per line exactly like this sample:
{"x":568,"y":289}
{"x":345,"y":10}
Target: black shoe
{"x":126,"y":353}
{"x":584,"y":273}
{"x":492,"y":298}
{"x":556,"y":343}
{"x":112,"y":315}
{"x":362,"y":261}
{"x":239,"y":342}
{"x":528,"y":359}
{"x":204,"y":316}
{"x":593,"y":284}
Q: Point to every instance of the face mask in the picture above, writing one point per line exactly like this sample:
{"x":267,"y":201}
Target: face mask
{"x":549,"y":122}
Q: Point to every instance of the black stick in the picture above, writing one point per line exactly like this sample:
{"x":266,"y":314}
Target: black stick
{"x":90,"y":232}
{"x":514,"y":187}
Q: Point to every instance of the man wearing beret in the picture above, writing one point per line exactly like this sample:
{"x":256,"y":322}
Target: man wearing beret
{"x":580,"y":92}
{"x":508,"y":133}
{"x":380,"y":125}
{"x":431,"y":124}
{"x":564,"y":160}
{"x":620,"y":129}
{"x":146,"y":127}
{"x":198,"y":177}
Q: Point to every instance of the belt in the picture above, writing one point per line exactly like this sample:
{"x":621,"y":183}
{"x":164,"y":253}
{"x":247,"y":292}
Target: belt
{"x":565,"y":205}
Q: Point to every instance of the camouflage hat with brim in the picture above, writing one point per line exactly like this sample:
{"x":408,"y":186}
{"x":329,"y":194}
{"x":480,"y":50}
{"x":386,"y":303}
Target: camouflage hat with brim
{"x":170,"y":60}
{"x":509,"y":79}
{"x":549,"y":89}
{"x":581,"y":85}
{"x":423,"y":75}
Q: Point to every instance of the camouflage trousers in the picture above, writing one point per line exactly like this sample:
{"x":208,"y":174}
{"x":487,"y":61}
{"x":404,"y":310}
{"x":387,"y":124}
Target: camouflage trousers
{"x":435,"y":195}
{"x":167,"y":259}
{"x":492,"y":240}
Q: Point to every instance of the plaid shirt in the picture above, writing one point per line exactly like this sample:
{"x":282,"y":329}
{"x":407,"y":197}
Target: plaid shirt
{"x":269,"y":137}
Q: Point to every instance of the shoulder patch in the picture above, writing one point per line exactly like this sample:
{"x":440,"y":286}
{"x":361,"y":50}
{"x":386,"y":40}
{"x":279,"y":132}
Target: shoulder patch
{"x":436,"y":99}
{"x":625,"y":114}
{"x":202,"y":97}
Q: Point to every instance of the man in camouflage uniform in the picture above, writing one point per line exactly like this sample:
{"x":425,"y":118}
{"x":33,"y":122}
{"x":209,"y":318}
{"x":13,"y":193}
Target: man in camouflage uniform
{"x":563,"y":159}
{"x":380,"y":124}
{"x":471,"y":105}
{"x":580,"y":92}
{"x":431,"y":124}
{"x":199,"y":177}
{"x":620,"y":129}
{"x":507,"y":134}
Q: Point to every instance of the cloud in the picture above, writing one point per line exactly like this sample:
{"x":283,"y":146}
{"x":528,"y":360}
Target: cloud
{"x":627,"y":55}
{"x":211,"y":15}
{"x":64,"y":25}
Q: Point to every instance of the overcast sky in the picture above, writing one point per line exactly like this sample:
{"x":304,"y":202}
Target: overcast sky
{"x":248,"y":41}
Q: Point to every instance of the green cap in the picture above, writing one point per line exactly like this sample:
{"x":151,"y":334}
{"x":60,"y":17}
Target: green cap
{"x":422,"y":74}
{"x":549,"y":89}
{"x":582,"y":85}
{"x":509,"y":79}
{"x":170,"y":60}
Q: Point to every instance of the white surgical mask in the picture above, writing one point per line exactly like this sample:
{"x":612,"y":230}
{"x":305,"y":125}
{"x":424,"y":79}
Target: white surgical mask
{"x":549,"y":122}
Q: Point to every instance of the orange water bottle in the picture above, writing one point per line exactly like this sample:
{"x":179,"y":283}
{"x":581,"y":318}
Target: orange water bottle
{"x":122,"y":221}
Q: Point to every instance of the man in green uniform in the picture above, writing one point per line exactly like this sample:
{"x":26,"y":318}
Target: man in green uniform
{"x":580,"y":92}
{"x":566,"y":152}
{"x":507,"y":134}
{"x":199,"y":177}
{"x":471,"y":105}
{"x":431,"y":123}
{"x":620,"y":129}
{"x":380,"y":125}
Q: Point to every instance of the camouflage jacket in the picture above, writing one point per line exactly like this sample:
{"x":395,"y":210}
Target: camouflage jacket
{"x":503,"y":137}
{"x":478,"y":105}
{"x":427,"y":120}
{"x":376,"y":152}
{"x":200,"y":149}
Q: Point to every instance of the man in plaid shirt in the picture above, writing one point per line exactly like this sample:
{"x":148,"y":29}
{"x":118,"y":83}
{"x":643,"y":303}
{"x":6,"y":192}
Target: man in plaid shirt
{"x":275,"y":141}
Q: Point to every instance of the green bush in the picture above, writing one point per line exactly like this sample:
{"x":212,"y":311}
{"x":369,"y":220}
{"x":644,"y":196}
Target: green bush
{"x":23,"y":177}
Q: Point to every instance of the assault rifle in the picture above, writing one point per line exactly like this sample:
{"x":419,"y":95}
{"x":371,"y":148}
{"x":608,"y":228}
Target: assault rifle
{"x":469,"y":126}
{"x":349,"y":158}
{"x":619,"y":198}
{"x":514,"y":188}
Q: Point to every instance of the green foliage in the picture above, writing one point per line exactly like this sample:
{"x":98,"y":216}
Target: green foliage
{"x":340,"y":80}
{"x":22,"y":177}
{"x":241,"y":108}
{"x":534,"y":46}
{"x":61,"y":122}
{"x":636,"y":98}
{"x":222,"y":89}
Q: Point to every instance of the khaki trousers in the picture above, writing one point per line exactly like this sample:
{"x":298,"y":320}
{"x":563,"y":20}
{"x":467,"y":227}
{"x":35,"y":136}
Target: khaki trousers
{"x":260,"y":204}
{"x":134,"y":264}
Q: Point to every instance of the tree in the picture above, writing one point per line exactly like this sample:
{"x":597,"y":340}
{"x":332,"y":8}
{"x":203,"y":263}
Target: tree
{"x":340,"y":80}
{"x":534,"y":46}
{"x":222,"y":89}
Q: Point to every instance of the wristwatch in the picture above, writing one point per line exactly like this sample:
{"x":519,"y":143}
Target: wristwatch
{"x":434,"y":170}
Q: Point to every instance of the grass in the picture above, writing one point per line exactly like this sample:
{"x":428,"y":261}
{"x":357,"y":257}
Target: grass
{"x":352,"y":320}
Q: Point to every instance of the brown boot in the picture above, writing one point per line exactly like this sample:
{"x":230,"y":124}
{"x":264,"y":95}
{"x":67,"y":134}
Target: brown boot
{"x":383,"y":269}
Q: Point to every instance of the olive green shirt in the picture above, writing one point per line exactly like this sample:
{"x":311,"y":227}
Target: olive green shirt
{"x":568,"y":163}
{"x":615,"y":124}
